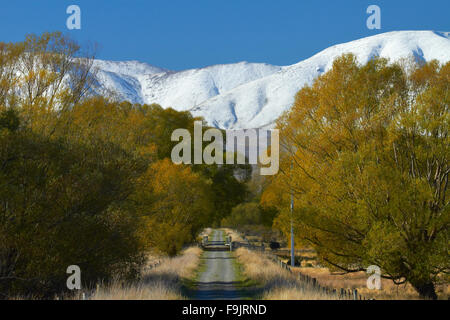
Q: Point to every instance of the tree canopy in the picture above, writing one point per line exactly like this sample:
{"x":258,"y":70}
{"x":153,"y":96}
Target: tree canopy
{"x":366,"y":152}
{"x":86,"y":180}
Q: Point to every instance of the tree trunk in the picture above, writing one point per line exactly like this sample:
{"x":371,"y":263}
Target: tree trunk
{"x":426,"y":290}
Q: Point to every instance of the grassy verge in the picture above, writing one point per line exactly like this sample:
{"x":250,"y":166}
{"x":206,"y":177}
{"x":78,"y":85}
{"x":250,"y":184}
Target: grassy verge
{"x":190,"y":284}
{"x":277,"y":283}
{"x":249,"y":288}
{"x":163,"y":282}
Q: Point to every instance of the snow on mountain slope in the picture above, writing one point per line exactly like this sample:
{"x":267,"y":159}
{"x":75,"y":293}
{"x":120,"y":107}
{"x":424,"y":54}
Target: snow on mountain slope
{"x":251,"y":95}
{"x":142,"y":83}
{"x":123,"y":78}
{"x":261,"y":102}
{"x":186,"y":89}
{"x":129,"y":68}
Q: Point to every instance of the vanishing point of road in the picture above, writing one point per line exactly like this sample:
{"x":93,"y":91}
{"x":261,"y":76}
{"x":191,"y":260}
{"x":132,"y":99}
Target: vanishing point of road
{"x":220,"y":276}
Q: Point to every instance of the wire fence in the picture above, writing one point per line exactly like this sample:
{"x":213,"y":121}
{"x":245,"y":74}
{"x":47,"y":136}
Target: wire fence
{"x":340,"y":293}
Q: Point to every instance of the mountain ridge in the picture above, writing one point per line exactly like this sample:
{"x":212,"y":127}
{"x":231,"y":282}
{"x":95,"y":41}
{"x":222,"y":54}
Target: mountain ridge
{"x":247,"y":95}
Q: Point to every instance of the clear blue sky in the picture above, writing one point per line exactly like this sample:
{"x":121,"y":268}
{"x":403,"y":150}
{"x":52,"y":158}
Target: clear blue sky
{"x":181,"y":34}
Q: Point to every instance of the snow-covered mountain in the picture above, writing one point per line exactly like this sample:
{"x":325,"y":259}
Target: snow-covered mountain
{"x":253,"y":95}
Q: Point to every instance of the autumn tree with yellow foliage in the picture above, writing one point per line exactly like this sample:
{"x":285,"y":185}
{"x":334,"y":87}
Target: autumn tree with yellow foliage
{"x":366,"y":155}
{"x":174,"y":205}
{"x":85,"y":179}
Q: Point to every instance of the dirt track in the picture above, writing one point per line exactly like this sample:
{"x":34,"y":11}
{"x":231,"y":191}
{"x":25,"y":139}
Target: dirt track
{"x":220,"y":278}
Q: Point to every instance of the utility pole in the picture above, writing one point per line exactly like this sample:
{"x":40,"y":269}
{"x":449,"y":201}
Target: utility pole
{"x":292,"y":224}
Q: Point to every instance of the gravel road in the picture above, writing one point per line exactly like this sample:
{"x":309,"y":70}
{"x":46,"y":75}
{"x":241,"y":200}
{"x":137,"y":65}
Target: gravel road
{"x":219,"y":280}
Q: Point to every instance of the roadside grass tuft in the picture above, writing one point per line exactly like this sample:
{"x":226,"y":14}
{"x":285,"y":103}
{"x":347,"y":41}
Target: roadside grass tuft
{"x":164,"y":282}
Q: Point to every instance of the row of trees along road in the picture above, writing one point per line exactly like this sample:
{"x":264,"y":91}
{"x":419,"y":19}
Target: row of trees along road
{"x":366,"y":155}
{"x":84,"y":179}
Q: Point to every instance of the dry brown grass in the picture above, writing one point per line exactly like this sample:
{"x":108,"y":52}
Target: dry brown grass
{"x":206,"y":232}
{"x":279,"y":284}
{"x":389,"y":291}
{"x":154,"y":290}
{"x":235,"y":236}
{"x":358,"y":280}
{"x":159,"y":283}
